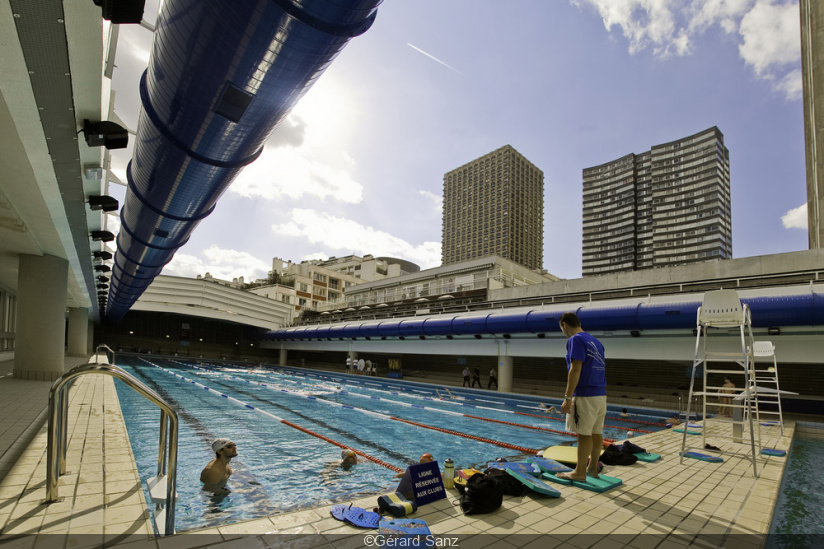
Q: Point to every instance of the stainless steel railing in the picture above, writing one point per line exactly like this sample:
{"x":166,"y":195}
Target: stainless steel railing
{"x":57,"y":436}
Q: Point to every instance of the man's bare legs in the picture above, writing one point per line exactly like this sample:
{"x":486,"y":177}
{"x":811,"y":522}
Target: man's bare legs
{"x":589,"y":450}
{"x":597,"y":442}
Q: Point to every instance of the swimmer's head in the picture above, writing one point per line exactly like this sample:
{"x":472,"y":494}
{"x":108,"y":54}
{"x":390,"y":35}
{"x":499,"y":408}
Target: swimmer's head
{"x":349,"y":456}
{"x":426,"y":458}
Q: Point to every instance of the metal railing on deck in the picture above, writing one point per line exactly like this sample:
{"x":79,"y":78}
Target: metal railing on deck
{"x":58,"y":432}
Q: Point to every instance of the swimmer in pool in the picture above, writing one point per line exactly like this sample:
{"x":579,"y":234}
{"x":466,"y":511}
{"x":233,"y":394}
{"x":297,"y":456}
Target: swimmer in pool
{"x":217,"y":472}
{"x":549,"y":409}
{"x":348,"y":458}
{"x":425,"y":458}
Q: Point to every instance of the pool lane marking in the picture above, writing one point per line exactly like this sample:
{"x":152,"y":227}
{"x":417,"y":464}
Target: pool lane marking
{"x":429,"y":408}
{"x":447,"y":431}
{"x":285,"y":422}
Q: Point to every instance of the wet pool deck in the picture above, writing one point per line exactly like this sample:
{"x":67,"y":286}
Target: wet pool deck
{"x":665,"y":503}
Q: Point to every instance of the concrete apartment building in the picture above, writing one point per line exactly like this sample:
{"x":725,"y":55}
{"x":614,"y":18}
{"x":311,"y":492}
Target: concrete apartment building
{"x":368,"y":268}
{"x":667,"y":206}
{"x":494,"y":206}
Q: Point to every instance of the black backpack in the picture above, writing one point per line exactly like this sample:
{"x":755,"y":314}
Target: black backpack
{"x":613,"y":456}
{"x":483,"y":494}
{"x":510,"y":485}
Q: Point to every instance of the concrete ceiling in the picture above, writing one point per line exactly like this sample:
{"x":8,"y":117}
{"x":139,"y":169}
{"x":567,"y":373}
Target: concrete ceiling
{"x":50,"y":81}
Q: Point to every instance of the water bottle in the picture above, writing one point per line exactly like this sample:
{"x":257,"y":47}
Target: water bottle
{"x":448,"y":473}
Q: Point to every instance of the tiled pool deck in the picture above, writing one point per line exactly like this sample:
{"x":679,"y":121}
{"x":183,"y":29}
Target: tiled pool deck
{"x":662,"y":504}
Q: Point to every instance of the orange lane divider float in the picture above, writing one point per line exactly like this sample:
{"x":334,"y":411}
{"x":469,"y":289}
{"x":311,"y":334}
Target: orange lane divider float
{"x":564,"y":432}
{"x":345,"y":447}
{"x":473,"y":437}
{"x":567,"y":433}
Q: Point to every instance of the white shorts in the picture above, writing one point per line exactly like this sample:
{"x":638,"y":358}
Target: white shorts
{"x":588,"y":414}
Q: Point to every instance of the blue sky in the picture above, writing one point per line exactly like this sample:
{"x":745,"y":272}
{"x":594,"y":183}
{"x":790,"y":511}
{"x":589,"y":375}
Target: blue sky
{"x":358,"y":165}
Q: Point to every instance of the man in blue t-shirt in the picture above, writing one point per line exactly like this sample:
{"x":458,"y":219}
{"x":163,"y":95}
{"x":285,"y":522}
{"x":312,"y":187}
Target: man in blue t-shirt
{"x":585,"y":398}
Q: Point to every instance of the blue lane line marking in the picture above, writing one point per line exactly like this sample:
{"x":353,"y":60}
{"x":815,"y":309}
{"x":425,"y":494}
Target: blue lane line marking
{"x":250,"y":407}
{"x":417,"y":406}
{"x":224,"y":396}
{"x":350,"y":407}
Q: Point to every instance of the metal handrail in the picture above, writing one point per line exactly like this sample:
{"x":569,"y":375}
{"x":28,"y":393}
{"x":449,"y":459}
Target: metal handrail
{"x":56,"y":450}
{"x":110,"y":356}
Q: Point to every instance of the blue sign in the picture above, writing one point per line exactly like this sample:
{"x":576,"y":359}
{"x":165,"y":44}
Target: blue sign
{"x":422,"y":483}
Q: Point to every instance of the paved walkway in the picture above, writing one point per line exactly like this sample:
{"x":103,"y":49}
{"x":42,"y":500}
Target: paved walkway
{"x":658,"y":502}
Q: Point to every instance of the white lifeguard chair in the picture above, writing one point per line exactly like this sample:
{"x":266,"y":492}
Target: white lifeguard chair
{"x":765,"y":379}
{"x":722,"y":309}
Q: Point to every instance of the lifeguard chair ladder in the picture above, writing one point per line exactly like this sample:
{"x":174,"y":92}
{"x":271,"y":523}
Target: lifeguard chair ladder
{"x":767,"y":376}
{"x":723,"y":309}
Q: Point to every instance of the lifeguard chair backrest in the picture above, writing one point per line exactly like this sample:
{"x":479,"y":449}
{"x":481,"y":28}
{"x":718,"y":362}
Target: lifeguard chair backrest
{"x":763,"y":348}
{"x":721,"y":308}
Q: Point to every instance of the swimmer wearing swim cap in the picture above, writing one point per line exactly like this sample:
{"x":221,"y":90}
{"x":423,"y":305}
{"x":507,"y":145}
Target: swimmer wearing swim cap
{"x":217,"y":472}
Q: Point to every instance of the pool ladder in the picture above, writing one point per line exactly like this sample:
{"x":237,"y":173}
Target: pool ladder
{"x":162,"y":487}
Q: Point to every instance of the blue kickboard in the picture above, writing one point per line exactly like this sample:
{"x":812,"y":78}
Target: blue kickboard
{"x":403,"y":527}
{"x":702,"y":457}
{"x":536,"y":485}
{"x":549,"y":465}
{"x":517,"y":466}
{"x":600,"y":484}
{"x":773,"y":452}
{"x":647,"y":457}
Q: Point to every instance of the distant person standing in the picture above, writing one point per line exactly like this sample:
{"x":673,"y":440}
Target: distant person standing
{"x":585,"y":398}
{"x":727,"y":388}
{"x":465,"y":374}
{"x":476,"y":377}
{"x":493,"y":378}
{"x":348,"y":363}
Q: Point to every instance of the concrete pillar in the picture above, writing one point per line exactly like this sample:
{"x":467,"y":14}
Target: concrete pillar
{"x":90,"y":339}
{"x":78,"y":343}
{"x":283,"y":356}
{"x":41,"y":317}
{"x":505,"y":373}
{"x":812,"y":77}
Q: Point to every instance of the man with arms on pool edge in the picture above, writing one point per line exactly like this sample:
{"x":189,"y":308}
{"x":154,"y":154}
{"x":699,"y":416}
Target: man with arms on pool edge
{"x":585,"y":398}
{"x":217,"y":472}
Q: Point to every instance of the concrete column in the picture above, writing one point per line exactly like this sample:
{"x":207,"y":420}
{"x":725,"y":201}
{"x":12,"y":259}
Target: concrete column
{"x":505,"y":373}
{"x":812,"y":78}
{"x":90,"y":339}
{"x":78,"y":344}
{"x":282,"y":356}
{"x":41,"y":317}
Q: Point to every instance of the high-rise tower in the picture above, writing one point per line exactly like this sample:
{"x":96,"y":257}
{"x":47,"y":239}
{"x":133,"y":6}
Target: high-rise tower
{"x":494,"y":206}
{"x":667,"y":206}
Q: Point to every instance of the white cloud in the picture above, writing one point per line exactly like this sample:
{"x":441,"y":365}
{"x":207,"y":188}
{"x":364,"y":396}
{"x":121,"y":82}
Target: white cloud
{"x":791,"y":85}
{"x":795,"y":218}
{"x":772,"y":36}
{"x":436,"y":199}
{"x":220,"y":263}
{"x":644,"y":23}
{"x":344,"y":236}
{"x":769,"y":31}
{"x":297,"y":173}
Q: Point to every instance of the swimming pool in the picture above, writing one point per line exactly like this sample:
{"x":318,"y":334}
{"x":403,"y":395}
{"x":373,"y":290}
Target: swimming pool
{"x":796,"y":520}
{"x":280,"y":468}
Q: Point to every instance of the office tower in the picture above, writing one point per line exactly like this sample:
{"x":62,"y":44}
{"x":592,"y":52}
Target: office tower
{"x":494,"y":206}
{"x":667,"y":206}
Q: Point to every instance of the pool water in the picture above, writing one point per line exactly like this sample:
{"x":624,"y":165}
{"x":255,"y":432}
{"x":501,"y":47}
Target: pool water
{"x":797,"y":520}
{"x":280,"y":468}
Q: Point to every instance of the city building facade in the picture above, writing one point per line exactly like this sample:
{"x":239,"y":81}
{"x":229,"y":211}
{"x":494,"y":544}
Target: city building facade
{"x":667,"y":206}
{"x":494,"y":205}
